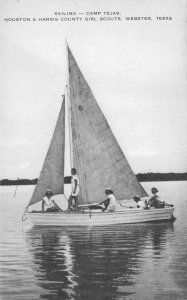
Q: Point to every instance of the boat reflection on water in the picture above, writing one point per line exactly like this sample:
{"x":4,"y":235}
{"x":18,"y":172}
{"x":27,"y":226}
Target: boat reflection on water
{"x":97,"y":263}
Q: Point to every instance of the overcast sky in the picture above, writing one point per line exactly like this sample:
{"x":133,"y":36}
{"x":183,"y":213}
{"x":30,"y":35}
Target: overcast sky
{"x":136,"y":69}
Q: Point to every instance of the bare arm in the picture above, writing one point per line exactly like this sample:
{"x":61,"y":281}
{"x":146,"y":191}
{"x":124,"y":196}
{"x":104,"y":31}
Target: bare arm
{"x":75,"y":180}
{"x":103,"y":201}
{"x":56,"y":205}
{"x":43,"y":202}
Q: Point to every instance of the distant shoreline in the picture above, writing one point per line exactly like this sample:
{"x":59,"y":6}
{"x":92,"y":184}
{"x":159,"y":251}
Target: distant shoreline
{"x":142,"y":177}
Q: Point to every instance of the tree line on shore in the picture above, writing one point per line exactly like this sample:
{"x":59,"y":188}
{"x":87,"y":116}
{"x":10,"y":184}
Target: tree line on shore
{"x":142,"y":177}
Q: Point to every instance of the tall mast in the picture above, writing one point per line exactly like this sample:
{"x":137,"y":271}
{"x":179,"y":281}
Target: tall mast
{"x":69,"y":110}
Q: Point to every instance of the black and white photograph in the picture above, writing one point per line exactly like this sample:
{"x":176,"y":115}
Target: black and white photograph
{"x":93,"y":149}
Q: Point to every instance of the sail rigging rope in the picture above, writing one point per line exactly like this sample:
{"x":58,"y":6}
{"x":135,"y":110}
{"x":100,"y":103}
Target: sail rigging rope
{"x":24,"y":216}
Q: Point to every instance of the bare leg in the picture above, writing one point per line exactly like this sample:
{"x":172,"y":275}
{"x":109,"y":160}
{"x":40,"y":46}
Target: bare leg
{"x":52,"y":209}
{"x":106,"y":204}
{"x":70,"y":202}
{"x":76,"y":203}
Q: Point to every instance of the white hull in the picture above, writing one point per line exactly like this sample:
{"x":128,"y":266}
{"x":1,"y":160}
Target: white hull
{"x":125,"y":216}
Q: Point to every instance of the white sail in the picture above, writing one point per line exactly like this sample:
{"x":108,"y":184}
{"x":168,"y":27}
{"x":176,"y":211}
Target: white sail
{"x":99,"y":161}
{"x":97,"y":156}
{"x":52,"y":174}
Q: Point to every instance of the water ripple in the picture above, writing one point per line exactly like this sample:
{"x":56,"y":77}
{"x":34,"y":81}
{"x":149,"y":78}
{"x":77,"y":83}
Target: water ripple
{"x":144,"y":261}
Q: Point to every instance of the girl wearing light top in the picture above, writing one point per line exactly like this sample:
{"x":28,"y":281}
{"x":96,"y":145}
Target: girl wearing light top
{"x":75,"y":189}
{"x":110,"y":202}
{"x":48,"y":203}
{"x":155,"y":200}
{"x":139,"y":203}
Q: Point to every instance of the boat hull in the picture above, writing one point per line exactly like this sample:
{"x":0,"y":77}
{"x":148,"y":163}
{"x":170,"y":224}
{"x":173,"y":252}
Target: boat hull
{"x":127,"y":216}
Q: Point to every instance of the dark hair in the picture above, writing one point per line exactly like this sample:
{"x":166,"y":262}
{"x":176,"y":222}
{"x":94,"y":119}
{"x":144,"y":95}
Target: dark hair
{"x":108,"y":191}
{"x":154,"y":189}
{"x":47,"y":192}
{"x":136,"y":198}
{"x":74,"y":170}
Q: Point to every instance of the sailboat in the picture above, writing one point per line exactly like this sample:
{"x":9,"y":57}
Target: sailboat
{"x":98,"y":159}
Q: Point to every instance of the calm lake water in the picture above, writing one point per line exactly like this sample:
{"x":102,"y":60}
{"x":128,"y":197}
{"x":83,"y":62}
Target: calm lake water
{"x":145,"y":261}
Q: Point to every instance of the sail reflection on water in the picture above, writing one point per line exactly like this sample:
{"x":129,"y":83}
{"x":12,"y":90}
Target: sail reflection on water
{"x":100,"y":263}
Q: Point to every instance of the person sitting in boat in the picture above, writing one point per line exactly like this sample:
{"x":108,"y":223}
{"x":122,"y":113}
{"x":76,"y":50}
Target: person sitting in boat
{"x":48,"y":203}
{"x":155,"y":200}
{"x":110,"y":202}
{"x":75,"y":189}
{"x":139,"y":203}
